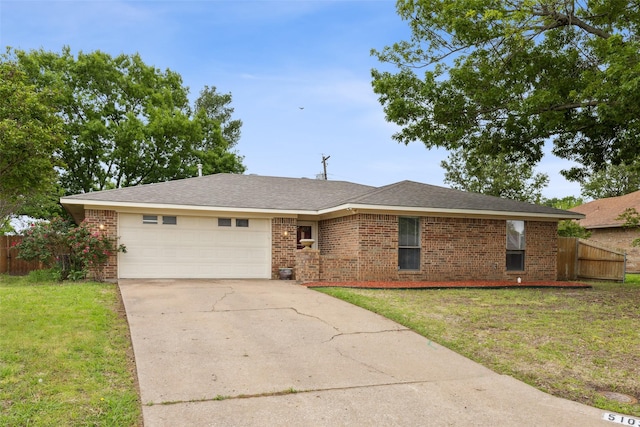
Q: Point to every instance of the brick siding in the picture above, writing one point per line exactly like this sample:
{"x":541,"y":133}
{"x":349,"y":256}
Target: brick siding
{"x":283,"y":244}
{"x":104,"y":222}
{"x":365,"y":247}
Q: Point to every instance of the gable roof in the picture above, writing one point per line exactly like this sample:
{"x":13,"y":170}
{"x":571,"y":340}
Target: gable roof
{"x":603,"y":213}
{"x":302,"y":195}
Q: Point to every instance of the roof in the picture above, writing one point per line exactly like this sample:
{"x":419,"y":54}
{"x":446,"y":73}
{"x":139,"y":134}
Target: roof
{"x":604,"y":213}
{"x":235,"y":191}
{"x":264,"y":193}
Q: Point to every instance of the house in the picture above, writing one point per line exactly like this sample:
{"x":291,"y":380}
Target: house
{"x":249,"y":226}
{"x":601,"y":219}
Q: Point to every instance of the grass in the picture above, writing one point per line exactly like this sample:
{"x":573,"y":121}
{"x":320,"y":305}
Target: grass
{"x":65,"y":355}
{"x":572,"y":343}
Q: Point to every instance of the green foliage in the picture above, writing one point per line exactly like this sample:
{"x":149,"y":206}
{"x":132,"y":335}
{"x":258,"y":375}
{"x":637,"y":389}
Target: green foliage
{"x":501,"y":78}
{"x":612,"y":181}
{"x":127,"y":123}
{"x":631,"y":219}
{"x":565,"y":203}
{"x":73,"y":250}
{"x":500,"y":176}
{"x":30,"y":139}
{"x":569,"y":227}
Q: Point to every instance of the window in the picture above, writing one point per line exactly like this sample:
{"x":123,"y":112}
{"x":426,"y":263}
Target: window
{"x":224,"y":222}
{"x":149,"y":219}
{"x":515,"y":245}
{"x":242,"y":222}
{"x":169,"y":220}
{"x":409,"y":243}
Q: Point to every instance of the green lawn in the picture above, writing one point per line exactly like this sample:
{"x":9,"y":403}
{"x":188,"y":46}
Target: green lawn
{"x":573,"y":343}
{"x":65,"y":355}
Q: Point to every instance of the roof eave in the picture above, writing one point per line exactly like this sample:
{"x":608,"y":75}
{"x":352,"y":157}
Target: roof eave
{"x":102,"y":204}
{"x":354,"y":208}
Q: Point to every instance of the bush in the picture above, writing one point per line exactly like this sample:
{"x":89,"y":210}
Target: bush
{"x":73,"y":251}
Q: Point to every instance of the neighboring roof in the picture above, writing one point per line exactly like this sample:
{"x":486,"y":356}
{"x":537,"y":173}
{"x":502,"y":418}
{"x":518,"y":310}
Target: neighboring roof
{"x":604,"y":213}
{"x":233,"y":191}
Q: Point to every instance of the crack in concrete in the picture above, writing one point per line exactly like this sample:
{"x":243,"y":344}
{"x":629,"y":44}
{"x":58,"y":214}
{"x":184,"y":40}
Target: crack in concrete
{"x":219,"y":300}
{"x":284,"y":393}
{"x":368,"y":332}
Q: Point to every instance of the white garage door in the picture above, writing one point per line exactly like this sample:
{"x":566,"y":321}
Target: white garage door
{"x":194,"y":247}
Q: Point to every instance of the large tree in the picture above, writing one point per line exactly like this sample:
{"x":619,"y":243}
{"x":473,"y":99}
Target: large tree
{"x":500,"y":176}
{"x":30,"y":139}
{"x":612,"y":181}
{"x":507,"y":76}
{"x":125,"y":122}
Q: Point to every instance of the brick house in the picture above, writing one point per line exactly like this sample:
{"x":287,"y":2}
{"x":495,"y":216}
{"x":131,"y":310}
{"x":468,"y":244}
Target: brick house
{"x":249,"y":226}
{"x":601,"y":219}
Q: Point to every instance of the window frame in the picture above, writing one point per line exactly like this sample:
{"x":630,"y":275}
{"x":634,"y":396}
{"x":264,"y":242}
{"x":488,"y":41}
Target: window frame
{"x":224,"y":222}
{"x":516,"y":242}
{"x":150,"y":219}
{"x":166,"y":220}
{"x":409,"y":250}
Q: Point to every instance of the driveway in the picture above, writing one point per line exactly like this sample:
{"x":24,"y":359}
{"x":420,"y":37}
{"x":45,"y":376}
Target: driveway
{"x":261,"y":353}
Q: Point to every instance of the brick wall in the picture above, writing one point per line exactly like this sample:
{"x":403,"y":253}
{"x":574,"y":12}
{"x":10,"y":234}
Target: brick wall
{"x":541,"y":252}
{"x":621,"y":239}
{"x":378,"y":240}
{"x":463,"y":249}
{"x":283,"y":246}
{"x":339,"y":249}
{"x":365,"y":247}
{"x":307,"y":268}
{"x":104,"y":222}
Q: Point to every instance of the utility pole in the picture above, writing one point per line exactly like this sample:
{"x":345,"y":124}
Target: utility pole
{"x":324,"y":165}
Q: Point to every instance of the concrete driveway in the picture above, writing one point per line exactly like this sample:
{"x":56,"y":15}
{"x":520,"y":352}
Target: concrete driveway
{"x":262,"y":353}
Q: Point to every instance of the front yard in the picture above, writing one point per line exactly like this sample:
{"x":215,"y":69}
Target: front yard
{"x":580,"y":344}
{"x":66,"y":358}
{"x":65,"y":355}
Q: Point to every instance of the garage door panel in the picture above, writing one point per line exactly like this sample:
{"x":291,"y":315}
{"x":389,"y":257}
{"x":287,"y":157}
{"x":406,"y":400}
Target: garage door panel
{"x":196,"y":247}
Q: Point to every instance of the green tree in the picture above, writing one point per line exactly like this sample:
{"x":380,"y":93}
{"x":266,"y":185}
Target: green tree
{"x":220,"y":133}
{"x":501,"y":77}
{"x":568,"y":227}
{"x":612,"y":181}
{"x":631,"y":219}
{"x":30,"y":140}
{"x":501,"y":176}
{"x":126,"y":123}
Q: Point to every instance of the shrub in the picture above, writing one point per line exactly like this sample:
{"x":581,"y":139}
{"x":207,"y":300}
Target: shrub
{"x":73,"y":250}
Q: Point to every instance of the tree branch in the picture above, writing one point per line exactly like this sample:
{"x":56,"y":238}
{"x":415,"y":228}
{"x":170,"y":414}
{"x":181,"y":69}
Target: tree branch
{"x":563,"y":20}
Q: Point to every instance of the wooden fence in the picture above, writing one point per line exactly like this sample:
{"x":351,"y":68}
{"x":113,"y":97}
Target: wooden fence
{"x":9,"y":261}
{"x":581,"y":259}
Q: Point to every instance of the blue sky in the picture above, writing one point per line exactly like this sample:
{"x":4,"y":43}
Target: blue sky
{"x":273,"y":57}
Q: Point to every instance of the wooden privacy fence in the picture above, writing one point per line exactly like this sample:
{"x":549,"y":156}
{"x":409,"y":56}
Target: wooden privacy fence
{"x":581,"y":259}
{"x":9,"y":261}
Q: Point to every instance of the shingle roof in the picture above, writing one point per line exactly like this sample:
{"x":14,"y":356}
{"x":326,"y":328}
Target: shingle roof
{"x":415,"y":194}
{"x":302,"y":194}
{"x":236,"y":191}
{"x":603,"y":213}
